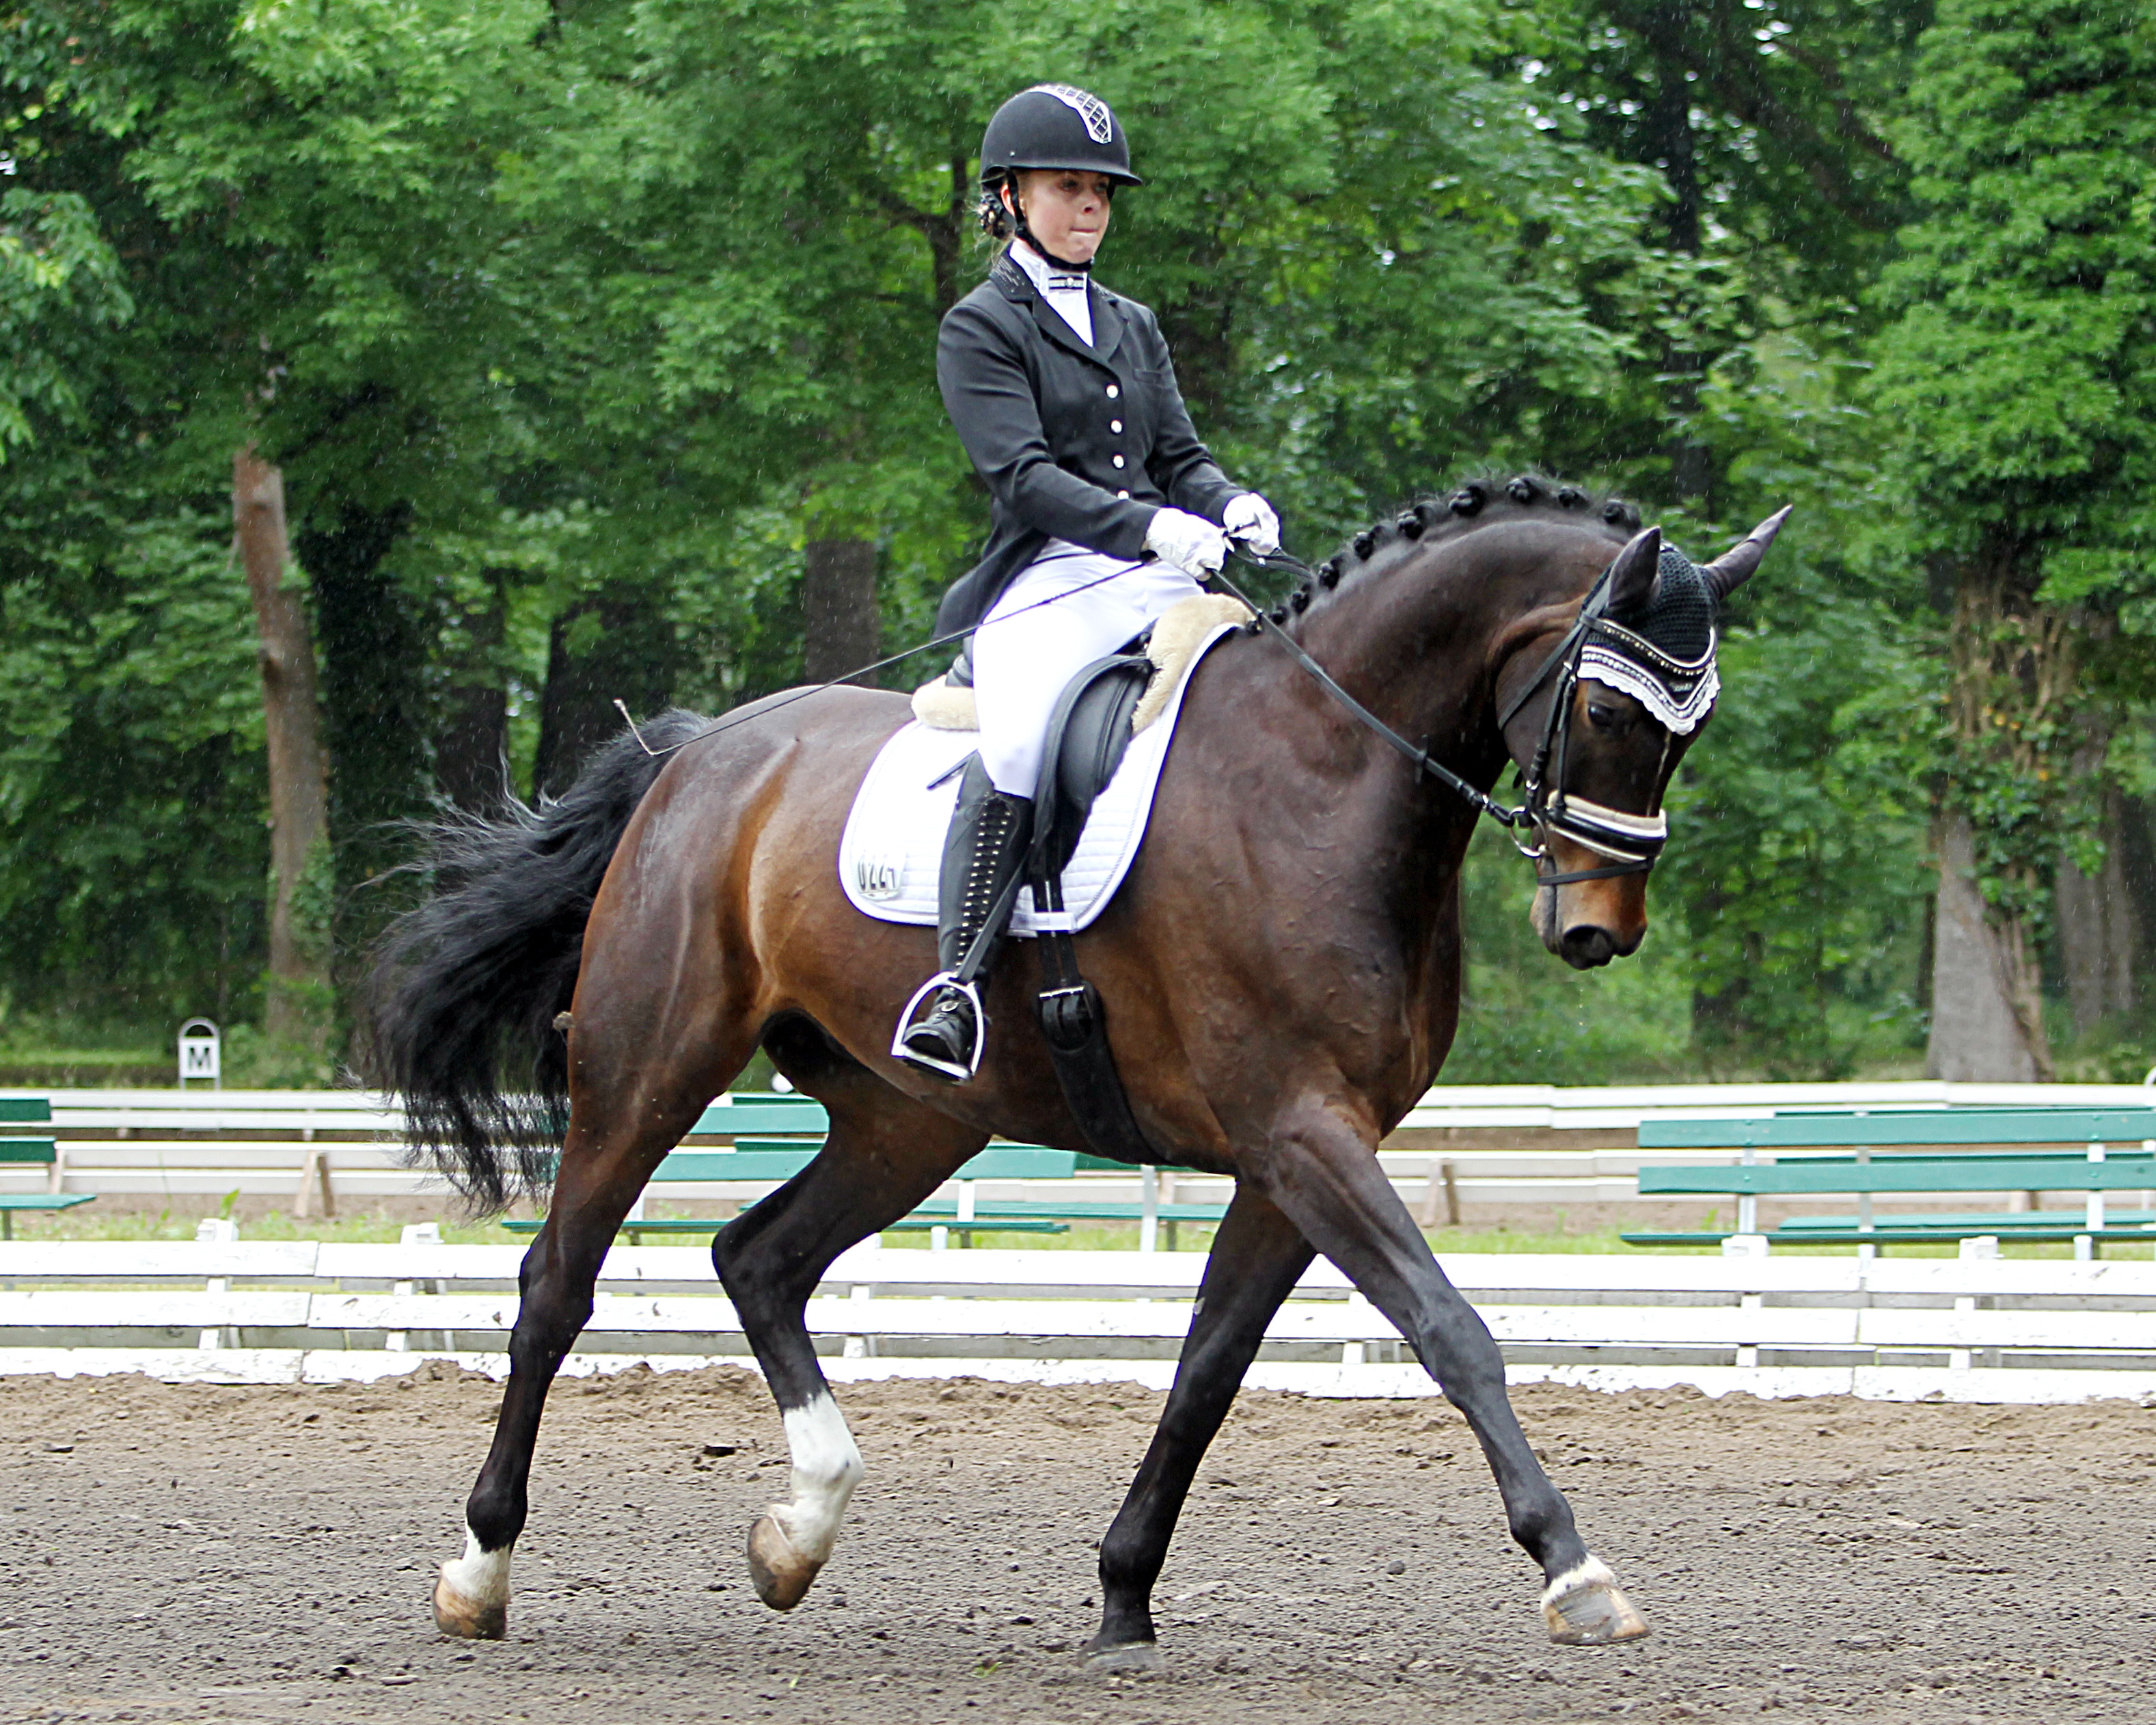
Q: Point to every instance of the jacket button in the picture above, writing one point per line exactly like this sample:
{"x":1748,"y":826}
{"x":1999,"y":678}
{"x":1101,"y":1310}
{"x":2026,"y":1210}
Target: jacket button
{"x":1118,"y":460}
{"x":1124,"y":495}
{"x":1115,"y":425}
{"x":1113,"y":392}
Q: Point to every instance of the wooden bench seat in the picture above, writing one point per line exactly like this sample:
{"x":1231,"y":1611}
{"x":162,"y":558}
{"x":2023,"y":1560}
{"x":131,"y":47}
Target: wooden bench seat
{"x":35,"y":1202}
{"x":1915,"y":1166}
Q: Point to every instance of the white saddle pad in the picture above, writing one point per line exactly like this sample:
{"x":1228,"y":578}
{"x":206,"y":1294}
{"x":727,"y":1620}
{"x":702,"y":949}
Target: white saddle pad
{"x":892,"y":849}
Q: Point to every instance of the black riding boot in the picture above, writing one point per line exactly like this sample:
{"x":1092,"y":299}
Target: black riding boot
{"x":982,"y":856}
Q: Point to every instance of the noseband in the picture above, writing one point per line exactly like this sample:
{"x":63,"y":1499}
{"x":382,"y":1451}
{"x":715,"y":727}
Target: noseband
{"x":1632,"y":842}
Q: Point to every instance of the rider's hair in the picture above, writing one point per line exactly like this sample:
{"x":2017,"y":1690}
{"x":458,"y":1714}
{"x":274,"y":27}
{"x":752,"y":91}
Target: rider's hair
{"x":995,"y":220}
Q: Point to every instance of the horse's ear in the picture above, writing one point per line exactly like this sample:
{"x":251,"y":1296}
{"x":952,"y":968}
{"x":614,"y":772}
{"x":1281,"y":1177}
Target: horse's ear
{"x":1633,"y":576}
{"x":1735,"y":566}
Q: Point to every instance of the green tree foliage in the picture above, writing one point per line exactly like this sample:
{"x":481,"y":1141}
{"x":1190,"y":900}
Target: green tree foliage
{"x":132,"y":857}
{"x":2017,"y":373}
{"x":570,"y":326}
{"x":1794,"y":889}
{"x":2018,"y":378}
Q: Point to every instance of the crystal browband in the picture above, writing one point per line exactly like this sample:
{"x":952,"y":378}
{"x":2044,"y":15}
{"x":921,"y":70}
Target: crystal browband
{"x":1679,"y":696}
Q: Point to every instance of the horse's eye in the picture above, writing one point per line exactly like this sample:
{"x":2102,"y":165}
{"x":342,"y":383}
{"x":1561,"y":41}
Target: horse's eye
{"x":1603,"y":717}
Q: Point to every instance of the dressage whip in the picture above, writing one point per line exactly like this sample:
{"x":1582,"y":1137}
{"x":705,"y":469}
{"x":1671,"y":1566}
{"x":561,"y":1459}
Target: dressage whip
{"x":955,"y":636}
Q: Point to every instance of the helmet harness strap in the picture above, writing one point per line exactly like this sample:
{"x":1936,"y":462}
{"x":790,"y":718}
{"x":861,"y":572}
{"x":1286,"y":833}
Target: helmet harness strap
{"x":1009,"y":190}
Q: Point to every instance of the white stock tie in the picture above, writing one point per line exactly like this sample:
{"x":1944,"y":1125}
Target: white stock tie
{"x":1064,"y":289}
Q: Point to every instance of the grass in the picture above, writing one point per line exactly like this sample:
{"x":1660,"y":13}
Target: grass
{"x":85,"y":1222}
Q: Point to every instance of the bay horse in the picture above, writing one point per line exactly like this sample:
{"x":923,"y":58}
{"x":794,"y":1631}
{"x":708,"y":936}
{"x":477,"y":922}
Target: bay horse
{"x":1281,"y":971}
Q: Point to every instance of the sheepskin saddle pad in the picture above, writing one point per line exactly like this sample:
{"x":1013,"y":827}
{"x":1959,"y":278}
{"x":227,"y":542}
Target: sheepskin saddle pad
{"x":892,"y":848}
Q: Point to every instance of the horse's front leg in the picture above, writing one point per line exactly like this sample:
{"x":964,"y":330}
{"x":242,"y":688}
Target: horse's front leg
{"x":1323,"y":1173}
{"x":1256,"y":1258}
{"x":885,"y":1154}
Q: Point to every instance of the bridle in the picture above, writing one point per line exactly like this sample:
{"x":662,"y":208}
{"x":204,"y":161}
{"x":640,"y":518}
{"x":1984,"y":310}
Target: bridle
{"x":1631,"y":842}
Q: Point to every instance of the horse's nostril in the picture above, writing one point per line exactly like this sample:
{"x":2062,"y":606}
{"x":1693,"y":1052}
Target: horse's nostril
{"x":1586,"y":947}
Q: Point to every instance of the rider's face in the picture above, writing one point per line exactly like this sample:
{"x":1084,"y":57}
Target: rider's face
{"x":1066,"y":210}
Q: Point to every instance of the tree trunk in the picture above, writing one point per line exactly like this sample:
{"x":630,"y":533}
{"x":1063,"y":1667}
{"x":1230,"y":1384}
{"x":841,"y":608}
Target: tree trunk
{"x":2097,"y":932}
{"x":2136,"y":832}
{"x":295,"y":1010}
{"x":377,"y":713}
{"x":840,"y":625}
{"x":471,"y":760}
{"x":614,"y":645}
{"x":2012,"y":666}
{"x":1984,"y":1003}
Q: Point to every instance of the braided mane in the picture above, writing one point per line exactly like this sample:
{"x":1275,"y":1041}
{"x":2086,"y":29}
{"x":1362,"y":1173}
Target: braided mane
{"x":1435,"y":518}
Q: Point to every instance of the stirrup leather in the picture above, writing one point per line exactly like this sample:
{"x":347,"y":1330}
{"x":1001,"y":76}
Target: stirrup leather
{"x":983,"y":868}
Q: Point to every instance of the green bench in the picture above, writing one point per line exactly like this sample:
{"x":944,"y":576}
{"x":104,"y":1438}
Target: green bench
{"x":30,"y":1152}
{"x":738,"y":1116}
{"x":775,"y":1160}
{"x":1922,"y":1159}
{"x":761,"y":1161}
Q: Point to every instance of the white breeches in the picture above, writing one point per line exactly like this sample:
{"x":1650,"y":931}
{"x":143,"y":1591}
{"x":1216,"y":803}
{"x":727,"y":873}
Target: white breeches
{"x":1025,"y":651}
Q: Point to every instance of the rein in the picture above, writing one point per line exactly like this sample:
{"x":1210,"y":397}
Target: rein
{"x":1633,"y":840}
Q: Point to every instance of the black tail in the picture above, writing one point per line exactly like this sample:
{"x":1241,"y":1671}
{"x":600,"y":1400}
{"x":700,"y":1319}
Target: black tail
{"x":458,"y":1017}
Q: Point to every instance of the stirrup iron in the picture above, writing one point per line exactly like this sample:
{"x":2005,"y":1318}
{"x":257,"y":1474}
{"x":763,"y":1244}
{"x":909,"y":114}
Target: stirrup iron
{"x":928,"y":1063}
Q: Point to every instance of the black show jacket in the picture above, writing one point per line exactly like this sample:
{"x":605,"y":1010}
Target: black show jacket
{"x":1077,"y":442}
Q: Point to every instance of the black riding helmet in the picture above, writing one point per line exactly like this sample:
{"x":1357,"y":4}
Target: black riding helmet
{"x":1051,"y":126}
{"x":1056,"y":126}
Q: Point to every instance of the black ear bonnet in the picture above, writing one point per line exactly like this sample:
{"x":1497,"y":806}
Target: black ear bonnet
{"x":1660,"y":652}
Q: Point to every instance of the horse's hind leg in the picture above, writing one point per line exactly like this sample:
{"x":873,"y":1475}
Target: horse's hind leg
{"x":1325,"y":1175}
{"x":616,"y":1138}
{"x":885,"y":1154}
{"x":1256,"y":1258}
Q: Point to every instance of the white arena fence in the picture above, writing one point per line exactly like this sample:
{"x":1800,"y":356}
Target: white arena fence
{"x":1464,"y":1144}
{"x":222,"y":1310}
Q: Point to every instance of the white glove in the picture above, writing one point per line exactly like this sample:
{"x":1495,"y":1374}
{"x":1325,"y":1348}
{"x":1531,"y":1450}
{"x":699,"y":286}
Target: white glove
{"x":1250,"y":519}
{"x":1189,"y":542}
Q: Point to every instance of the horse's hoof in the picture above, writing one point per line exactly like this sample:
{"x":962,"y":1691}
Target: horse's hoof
{"x":1595,"y":1615}
{"x":780,"y":1574}
{"x":467,"y":1618}
{"x":1132,"y":1659}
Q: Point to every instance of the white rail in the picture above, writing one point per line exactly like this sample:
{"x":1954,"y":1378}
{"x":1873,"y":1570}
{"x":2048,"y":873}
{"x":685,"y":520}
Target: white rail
{"x":245,"y":1311}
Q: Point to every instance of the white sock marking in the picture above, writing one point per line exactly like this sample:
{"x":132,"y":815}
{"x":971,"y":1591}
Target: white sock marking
{"x":481,"y":1577}
{"x":827,"y":1466}
{"x":1591,"y":1571}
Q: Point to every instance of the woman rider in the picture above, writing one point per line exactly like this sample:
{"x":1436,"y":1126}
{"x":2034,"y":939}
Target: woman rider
{"x":1106,"y":509}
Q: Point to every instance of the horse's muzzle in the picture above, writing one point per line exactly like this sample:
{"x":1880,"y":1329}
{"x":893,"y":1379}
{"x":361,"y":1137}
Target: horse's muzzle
{"x":1586,"y":947}
{"x":1587,"y":923}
